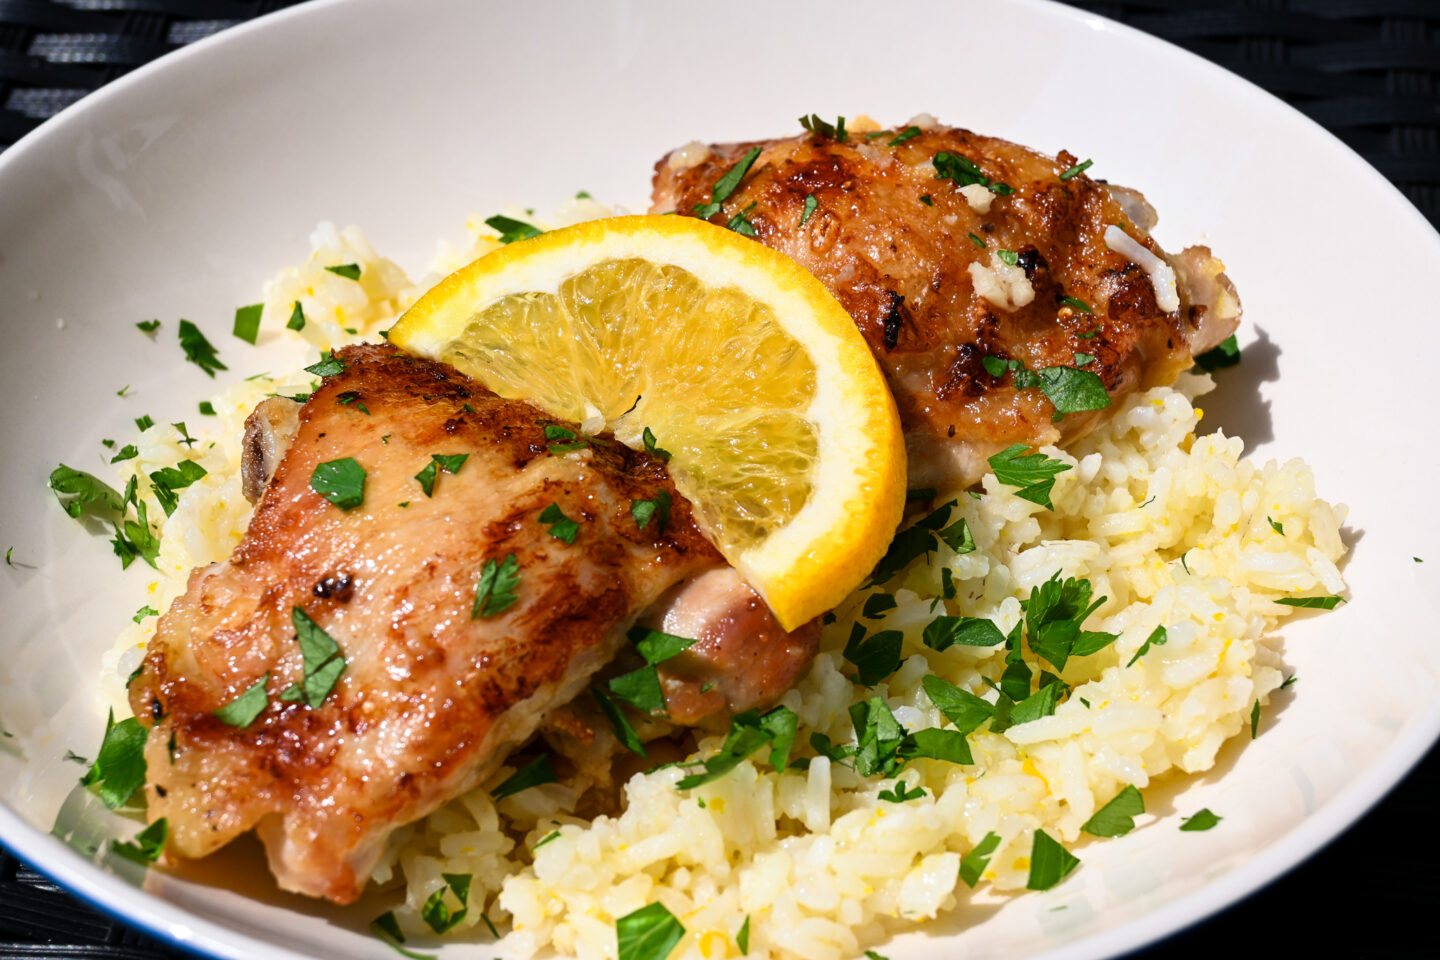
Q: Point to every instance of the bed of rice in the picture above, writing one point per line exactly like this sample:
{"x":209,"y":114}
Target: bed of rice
{"x":1172,"y":527}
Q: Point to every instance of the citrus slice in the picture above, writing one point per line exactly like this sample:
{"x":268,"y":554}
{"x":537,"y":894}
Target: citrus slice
{"x":781,"y":430}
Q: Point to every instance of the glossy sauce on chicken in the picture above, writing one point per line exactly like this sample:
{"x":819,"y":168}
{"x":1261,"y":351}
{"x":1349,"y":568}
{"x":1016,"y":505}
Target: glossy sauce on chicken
{"x":920,"y":262}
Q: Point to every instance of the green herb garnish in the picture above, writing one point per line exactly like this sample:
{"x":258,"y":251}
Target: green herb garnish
{"x":656,"y":508}
{"x":900,"y":793}
{"x":342,"y":482}
{"x":1117,"y":817}
{"x":749,"y":732}
{"x":973,"y":864}
{"x":323,"y":661}
{"x":647,"y":437}
{"x":1157,"y":638}
{"x":198,"y":350}
{"x":1314,"y":603}
{"x":119,"y":768}
{"x":150,"y":326}
{"x":297,"y":318}
{"x":726,"y":185}
{"x":1076,"y":170}
{"x":148,"y":843}
{"x":1227,"y":354}
{"x":495,"y":590}
{"x":242,"y":711}
{"x":964,"y":172}
{"x":561,"y":526}
{"x":1200,"y":821}
{"x":649,"y":933}
{"x":350,"y":271}
{"x":811,"y":204}
{"x":1049,"y":862}
{"x":1034,"y":474}
{"x":533,"y":774}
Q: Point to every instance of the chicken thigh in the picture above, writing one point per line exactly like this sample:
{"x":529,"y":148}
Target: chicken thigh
{"x":949,"y":248}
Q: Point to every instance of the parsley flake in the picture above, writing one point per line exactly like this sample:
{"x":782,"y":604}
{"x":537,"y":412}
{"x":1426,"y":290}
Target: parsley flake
{"x":657,"y":509}
{"x":1008,"y":257}
{"x":119,"y":768}
{"x":75,"y":490}
{"x":207,"y":408}
{"x":945,"y":631}
{"x":1157,"y":638}
{"x":327,"y":366}
{"x":437,"y":913}
{"x":322,"y":659}
{"x":977,"y":241}
{"x":649,"y":933}
{"x":127,"y":452}
{"x":875,"y":658}
{"x":899,"y":793}
{"x":387,"y":929}
{"x":909,"y":133}
{"x":726,"y":185}
{"x":242,"y":711}
{"x":247,"y":322}
{"x":198,"y":350}
{"x":561,"y":526}
{"x":811,"y":204}
{"x":1255,"y":720}
{"x":820,"y":128}
{"x":749,"y":732}
{"x":342,"y":482}
{"x":511,"y":230}
{"x":149,"y":326}
{"x":297,"y":318}
{"x":624,"y":732}
{"x":1315,"y":603}
{"x":1200,"y":821}
{"x":973,"y":864}
{"x":350,"y":271}
{"x":533,"y":774}
{"x":648,"y":438}
{"x":145,"y":611}
{"x":1076,"y":170}
{"x":742,"y":939}
{"x":926,"y":199}
{"x":1034,"y":474}
{"x":1077,"y":304}
{"x":1049,"y":862}
{"x":1117,"y":817}
{"x":495,"y":590}
{"x":1227,"y":354}
{"x":964,"y":172}
{"x":449,"y":462}
{"x":148,"y":843}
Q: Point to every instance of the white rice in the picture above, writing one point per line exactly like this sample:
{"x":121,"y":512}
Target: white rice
{"x":1173,"y":528}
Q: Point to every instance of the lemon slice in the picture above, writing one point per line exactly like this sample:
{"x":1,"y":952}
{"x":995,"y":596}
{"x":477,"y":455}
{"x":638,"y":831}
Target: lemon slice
{"x":781,"y":430}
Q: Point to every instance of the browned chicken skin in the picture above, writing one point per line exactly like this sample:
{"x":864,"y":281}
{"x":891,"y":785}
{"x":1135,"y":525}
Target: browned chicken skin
{"x":915,"y":260}
{"x":430,"y":700}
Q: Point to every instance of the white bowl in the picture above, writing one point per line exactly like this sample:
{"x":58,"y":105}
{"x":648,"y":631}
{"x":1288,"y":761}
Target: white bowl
{"x":178,"y":190}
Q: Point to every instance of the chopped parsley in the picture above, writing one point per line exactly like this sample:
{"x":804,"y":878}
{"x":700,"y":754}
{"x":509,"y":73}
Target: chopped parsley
{"x":351,"y":398}
{"x":1069,"y":390}
{"x":437,"y":913}
{"x":350,"y":271}
{"x":75,"y":490}
{"x":242,"y":711}
{"x":1076,"y":170}
{"x":1049,"y":862}
{"x":926,"y":199}
{"x":749,"y":732}
{"x":552,"y":835}
{"x":1034,"y":474}
{"x":449,"y":462}
{"x":649,"y":933}
{"x":964,"y":172}
{"x":876,"y":604}
{"x":145,"y":611}
{"x":495,"y":590}
{"x":1227,"y":354}
{"x":648,"y":438}
{"x":135,"y":538}
{"x":297,"y":318}
{"x":726,"y":185}
{"x":342,"y":482}
{"x":119,"y":768}
{"x":960,"y":707}
{"x":147,"y":845}
{"x":624,"y":732}
{"x":1157,"y":638}
{"x":909,"y":133}
{"x":920,"y":538}
{"x":165,"y":481}
{"x":1277,"y":527}
{"x":562,"y":439}
{"x":741,"y":224}
{"x":323,"y":661}
{"x":561,"y":526}
{"x":742,"y":939}
{"x":811,"y":204}
{"x":387,"y":929}
{"x":1288,"y":681}
{"x":1117,"y":817}
{"x":533,"y":774}
{"x":511,"y":230}
{"x":1054,"y":613}
{"x":657,"y":509}
{"x":820,"y":128}
{"x":874,"y":658}
{"x":945,"y":631}
{"x":198,"y":350}
{"x":977,"y":241}
{"x":973,"y":864}
{"x":247,"y":322}
{"x":150,"y":326}
{"x":327,"y":366}
{"x":1200,"y":821}
{"x":1315,"y":603}
{"x":899,"y":792}
{"x":878,"y":736}
{"x":1077,"y":304}
{"x":207,"y":409}
{"x":143,"y":422}
{"x":1255,"y":720}
{"x":1008,"y":257}
{"x":127,"y":452}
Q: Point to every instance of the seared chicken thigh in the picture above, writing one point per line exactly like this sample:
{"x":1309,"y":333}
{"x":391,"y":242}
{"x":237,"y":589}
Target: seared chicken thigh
{"x":949,"y":248}
{"x":439,"y":679}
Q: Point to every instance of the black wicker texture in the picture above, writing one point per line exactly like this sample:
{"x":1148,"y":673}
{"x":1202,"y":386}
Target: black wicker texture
{"x":1365,"y":69}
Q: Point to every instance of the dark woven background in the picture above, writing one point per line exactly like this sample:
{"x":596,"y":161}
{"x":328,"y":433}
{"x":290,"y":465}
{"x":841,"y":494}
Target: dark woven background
{"x":1365,"y":69}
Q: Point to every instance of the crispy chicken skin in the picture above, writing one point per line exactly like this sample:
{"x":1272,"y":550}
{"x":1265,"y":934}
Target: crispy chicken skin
{"x":902,"y":252}
{"x":431,"y":699}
